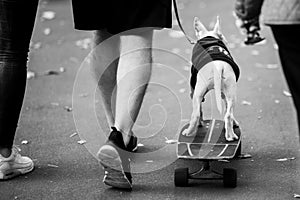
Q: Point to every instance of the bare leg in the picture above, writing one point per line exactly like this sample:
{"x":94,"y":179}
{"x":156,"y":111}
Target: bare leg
{"x":229,"y":119}
{"x":106,"y":75}
{"x":134,"y":71}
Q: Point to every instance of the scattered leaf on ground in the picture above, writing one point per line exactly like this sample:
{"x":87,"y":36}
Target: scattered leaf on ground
{"x":286,"y":93}
{"x":297,"y":196}
{"x":81,"y":141}
{"x":245,"y":156}
{"x":47,"y":31}
{"x":84,"y":43}
{"x":30,"y":75}
{"x":62,"y":69}
{"x":51,"y":165}
{"x":171,"y":141}
{"x":37,"y":45}
{"x":223,"y":160}
{"x":24,"y":142}
{"x":68,"y":108}
{"x":50,"y":72}
{"x":285,"y":159}
{"x":48,"y":15}
{"x":73,"y":134}
{"x":248,"y":103}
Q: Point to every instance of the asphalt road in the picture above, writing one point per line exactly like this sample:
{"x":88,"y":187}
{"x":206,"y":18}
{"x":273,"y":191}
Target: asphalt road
{"x":68,"y":170}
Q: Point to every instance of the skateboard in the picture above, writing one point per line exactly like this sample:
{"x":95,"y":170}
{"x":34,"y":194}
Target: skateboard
{"x":209,"y":144}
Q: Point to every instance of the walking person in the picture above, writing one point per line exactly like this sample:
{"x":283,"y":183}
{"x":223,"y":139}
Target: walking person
{"x":283,"y":16}
{"x":129,"y":74}
{"x":16,"y":25}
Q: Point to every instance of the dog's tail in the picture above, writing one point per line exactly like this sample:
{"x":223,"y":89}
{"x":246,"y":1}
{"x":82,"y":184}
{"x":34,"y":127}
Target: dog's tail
{"x":217,"y":87}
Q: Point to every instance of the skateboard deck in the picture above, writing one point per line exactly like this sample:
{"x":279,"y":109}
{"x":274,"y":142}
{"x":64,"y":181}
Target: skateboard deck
{"x":209,"y":143}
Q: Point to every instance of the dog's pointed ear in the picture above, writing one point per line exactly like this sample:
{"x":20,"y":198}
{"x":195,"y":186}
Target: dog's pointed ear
{"x":199,"y":27}
{"x":217,"y":28}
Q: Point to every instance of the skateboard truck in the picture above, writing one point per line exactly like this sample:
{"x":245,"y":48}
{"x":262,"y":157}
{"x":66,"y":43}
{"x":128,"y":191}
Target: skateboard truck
{"x":229,"y":175}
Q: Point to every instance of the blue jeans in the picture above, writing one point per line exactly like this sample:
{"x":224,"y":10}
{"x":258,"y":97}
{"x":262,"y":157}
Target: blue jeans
{"x":16,"y":25}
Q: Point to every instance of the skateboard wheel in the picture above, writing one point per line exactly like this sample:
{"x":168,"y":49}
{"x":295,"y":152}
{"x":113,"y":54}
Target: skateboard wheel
{"x":181,"y":177}
{"x":229,"y":177}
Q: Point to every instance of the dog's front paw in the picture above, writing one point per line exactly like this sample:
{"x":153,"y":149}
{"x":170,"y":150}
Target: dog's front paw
{"x":188,"y":133}
{"x":231,"y":137}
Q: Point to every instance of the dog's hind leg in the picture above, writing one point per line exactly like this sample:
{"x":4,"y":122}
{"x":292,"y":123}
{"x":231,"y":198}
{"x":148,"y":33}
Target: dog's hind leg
{"x":200,"y":89}
{"x":229,"y":118}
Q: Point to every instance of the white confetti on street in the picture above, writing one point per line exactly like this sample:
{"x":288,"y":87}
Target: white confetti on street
{"x":285,"y":159}
{"x":62,"y":69}
{"x":37,"y":45}
{"x":24,"y":142}
{"x":48,"y":15}
{"x":286,"y":93}
{"x":171,"y":141}
{"x":84,"y":44}
{"x":149,"y":161}
{"x":30,"y":75}
{"x":51,"y":165}
{"x":81,"y":141}
{"x":73,"y":134}
{"x":140,"y":145}
{"x":277,"y":101}
{"x":247,"y":103}
{"x":47,"y":31}
{"x":297,"y":196}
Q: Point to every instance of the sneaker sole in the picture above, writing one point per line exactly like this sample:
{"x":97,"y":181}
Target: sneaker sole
{"x":16,"y":172}
{"x":114,"y":174}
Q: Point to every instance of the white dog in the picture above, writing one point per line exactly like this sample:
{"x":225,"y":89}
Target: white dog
{"x":213,"y":68}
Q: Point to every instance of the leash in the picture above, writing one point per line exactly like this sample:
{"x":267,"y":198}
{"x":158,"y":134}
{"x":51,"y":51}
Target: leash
{"x":189,"y":39}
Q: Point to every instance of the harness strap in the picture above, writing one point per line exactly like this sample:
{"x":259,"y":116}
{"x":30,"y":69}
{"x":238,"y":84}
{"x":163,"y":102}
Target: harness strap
{"x":191,"y":41}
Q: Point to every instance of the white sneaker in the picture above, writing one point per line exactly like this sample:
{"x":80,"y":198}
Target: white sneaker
{"x":14,"y":165}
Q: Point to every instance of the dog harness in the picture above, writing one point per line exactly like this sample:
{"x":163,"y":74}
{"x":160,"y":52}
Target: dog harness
{"x":206,"y":50}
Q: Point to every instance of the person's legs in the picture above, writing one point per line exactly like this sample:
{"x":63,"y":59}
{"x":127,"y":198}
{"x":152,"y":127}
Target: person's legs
{"x":133,"y":74}
{"x":16,"y":25}
{"x":289,"y":50}
{"x":134,"y":71}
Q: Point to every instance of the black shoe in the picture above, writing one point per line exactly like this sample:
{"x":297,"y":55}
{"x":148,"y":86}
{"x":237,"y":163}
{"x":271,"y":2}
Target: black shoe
{"x":132,"y":146}
{"x":253,"y":38}
{"x":114,"y":158}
